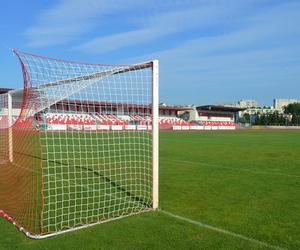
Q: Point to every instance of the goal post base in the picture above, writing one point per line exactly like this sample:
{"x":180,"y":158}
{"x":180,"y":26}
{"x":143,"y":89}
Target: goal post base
{"x":44,"y":236}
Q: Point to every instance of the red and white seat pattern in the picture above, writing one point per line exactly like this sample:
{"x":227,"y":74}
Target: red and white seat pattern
{"x":3,"y":121}
{"x":115,"y":120}
{"x":102,"y":119}
{"x":87,"y":119}
{"x":165,"y":122}
{"x":74,"y":119}
{"x":23,"y":123}
{"x":17,"y":123}
{"x":168,"y":122}
{"x":142,"y":120}
{"x":106,"y":119}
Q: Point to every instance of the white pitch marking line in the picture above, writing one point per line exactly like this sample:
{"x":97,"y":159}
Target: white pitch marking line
{"x":220,"y":230}
{"x":238,"y":169}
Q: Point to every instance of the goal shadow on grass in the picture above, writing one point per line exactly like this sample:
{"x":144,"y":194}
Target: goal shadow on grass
{"x":135,"y":199}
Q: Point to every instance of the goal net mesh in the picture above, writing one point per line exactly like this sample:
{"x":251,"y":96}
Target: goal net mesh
{"x":81,"y":140}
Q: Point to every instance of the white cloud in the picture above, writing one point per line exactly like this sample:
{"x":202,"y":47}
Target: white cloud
{"x":157,"y":26}
{"x":125,"y":23}
{"x":68,"y":19}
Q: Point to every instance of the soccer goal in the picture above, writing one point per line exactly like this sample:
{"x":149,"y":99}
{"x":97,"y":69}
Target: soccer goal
{"x":79,"y":144}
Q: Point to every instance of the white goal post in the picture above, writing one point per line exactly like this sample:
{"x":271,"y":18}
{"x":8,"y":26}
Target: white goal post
{"x":155,"y":133}
{"x":10,"y":122}
{"x":82,"y":144}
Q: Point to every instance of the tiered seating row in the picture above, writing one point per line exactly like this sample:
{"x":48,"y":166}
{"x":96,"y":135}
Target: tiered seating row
{"x":168,"y":122}
{"x":21,"y":123}
{"x":59,"y":121}
{"x":70,"y":119}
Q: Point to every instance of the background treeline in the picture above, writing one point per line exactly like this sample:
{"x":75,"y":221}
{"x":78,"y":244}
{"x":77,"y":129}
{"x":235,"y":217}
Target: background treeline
{"x":291,"y":117}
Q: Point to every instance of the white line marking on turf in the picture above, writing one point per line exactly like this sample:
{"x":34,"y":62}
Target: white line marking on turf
{"x":238,"y":169}
{"x":220,"y":230}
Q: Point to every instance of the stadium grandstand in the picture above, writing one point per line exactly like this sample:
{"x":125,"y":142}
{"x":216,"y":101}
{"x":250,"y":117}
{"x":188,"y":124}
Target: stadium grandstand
{"x":65,"y":115}
{"x":4,"y":90}
{"x":212,"y":117}
{"x":91,"y":115}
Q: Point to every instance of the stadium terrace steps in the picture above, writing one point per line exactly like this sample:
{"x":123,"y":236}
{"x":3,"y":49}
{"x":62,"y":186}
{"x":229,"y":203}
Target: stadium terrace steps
{"x":70,"y":119}
{"x":84,"y":119}
{"x":17,"y":123}
{"x":167,"y":122}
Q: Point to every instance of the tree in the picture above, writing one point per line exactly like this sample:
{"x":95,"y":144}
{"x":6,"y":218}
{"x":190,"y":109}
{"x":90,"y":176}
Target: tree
{"x":282,"y":120}
{"x":245,"y":118}
{"x":274,"y":118}
{"x":293,"y":108}
{"x":263,"y":119}
{"x":296,"y":119}
{"x":257,"y":120}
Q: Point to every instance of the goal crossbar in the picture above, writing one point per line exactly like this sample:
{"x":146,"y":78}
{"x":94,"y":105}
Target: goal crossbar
{"x":120,"y":70}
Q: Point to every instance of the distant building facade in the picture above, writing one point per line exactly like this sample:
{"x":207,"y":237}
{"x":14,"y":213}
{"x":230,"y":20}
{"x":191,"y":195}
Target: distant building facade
{"x":211,"y":113}
{"x":281,"y":103}
{"x":261,"y":111}
{"x":247,"y":103}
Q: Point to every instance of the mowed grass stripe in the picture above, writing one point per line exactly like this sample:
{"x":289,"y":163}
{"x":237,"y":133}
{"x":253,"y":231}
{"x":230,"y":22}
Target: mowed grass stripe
{"x":274,"y":151}
{"x":204,"y":164}
{"x":222,"y":231}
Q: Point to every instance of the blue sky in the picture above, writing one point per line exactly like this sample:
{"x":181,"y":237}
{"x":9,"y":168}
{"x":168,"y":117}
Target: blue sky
{"x":210,"y":51}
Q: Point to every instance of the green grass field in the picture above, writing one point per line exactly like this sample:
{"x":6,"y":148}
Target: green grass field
{"x":243,"y":182}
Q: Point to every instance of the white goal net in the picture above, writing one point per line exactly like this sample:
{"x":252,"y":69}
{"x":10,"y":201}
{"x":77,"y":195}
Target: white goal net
{"x":85,"y":145}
